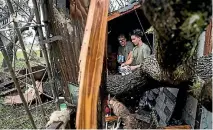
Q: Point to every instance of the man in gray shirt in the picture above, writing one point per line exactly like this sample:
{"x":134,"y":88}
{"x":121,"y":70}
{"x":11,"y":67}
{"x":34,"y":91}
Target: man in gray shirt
{"x":140,"y":51}
{"x":125,"y":48}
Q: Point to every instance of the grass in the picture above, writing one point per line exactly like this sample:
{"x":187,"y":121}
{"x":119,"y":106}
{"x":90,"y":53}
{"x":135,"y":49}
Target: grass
{"x":20,"y":63}
{"x":15,"y":117}
{"x":20,"y":55}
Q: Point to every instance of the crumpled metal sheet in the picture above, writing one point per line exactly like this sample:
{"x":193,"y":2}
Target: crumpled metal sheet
{"x":29,"y":95}
{"x":127,"y":8}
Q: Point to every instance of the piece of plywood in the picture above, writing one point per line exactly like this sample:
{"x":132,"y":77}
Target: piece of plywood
{"x":91,"y":64}
{"x":29,"y":95}
{"x":177,"y":127}
{"x":111,"y":118}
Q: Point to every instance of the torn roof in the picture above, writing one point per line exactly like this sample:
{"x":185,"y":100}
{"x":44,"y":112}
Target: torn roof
{"x":124,"y":10}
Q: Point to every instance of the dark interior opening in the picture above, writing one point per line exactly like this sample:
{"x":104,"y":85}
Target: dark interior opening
{"x":125,"y":25}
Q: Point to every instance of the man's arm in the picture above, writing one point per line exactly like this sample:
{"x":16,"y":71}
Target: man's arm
{"x":130,"y":48}
{"x":130,"y":59}
{"x":134,"y":67}
{"x":129,"y":56}
{"x":128,"y":62}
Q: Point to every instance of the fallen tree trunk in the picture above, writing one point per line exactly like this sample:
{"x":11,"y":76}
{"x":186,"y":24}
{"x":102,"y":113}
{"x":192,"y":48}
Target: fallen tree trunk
{"x":178,"y":25}
{"x":150,"y":71}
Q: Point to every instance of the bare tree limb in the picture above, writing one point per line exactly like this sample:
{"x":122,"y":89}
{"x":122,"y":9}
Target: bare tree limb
{"x":9,"y":46}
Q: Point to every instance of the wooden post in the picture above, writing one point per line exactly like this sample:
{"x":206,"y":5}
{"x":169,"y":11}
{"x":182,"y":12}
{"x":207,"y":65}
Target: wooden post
{"x":91,"y":64}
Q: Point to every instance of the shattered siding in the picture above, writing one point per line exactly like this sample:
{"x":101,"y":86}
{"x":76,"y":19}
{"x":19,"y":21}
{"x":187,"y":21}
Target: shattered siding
{"x":165,"y":104}
{"x":189,"y":111}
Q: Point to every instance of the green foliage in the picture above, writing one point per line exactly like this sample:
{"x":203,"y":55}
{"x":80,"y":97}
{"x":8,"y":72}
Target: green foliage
{"x":20,"y":63}
{"x":191,"y":29}
{"x":179,"y":72}
{"x":196,"y":87}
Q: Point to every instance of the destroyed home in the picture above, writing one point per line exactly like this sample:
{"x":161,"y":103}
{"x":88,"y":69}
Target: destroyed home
{"x":118,"y":64}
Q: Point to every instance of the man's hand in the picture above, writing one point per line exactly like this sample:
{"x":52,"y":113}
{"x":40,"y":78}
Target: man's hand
{"x":135,"y":67}
{"x":123,"y":64}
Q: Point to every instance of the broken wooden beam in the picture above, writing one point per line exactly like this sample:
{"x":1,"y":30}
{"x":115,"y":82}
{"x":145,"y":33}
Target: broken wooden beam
{"x":91,"y":64}
{"x":29,"y":95}
{"x":10,"y":91}
{"x":111,"y":118}
{"x":177,"y":127}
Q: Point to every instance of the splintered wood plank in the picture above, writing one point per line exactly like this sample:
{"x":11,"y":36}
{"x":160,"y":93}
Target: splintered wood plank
{"x":111,"y":118}
{"x":177,"y":127}
{"x":91,"y":64}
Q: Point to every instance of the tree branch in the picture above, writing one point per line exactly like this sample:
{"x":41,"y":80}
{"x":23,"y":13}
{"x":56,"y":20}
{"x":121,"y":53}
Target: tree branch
{"x":9,"y":46}
{"x":178,"y":25}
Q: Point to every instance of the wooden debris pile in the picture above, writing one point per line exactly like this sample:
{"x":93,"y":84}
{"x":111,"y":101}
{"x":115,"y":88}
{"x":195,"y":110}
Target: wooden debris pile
{"x":29,"y":95}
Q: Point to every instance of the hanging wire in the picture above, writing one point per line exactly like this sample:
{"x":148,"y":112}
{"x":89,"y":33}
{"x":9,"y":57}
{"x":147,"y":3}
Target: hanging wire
{"x":143,"y":30}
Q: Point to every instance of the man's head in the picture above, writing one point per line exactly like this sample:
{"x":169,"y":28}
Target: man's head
{"x":136,"y":36}
{"x":122,"y":40}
